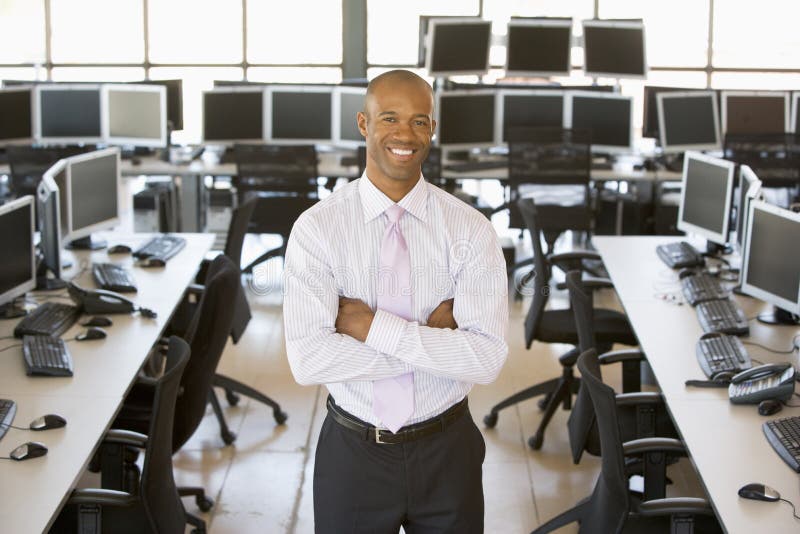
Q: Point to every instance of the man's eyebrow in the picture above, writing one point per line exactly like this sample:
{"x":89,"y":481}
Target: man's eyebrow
{"x":415,"y":116}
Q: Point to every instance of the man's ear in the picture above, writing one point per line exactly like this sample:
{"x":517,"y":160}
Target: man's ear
{"x":361,"y":119}
{"x":433,"y":127}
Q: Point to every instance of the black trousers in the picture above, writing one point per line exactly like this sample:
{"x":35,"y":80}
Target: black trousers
{"x":433,"y":484}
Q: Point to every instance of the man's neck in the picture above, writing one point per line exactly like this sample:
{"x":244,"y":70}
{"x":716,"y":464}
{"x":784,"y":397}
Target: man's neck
{"x":394,"y":189}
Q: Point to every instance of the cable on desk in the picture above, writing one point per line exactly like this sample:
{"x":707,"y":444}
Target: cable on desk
{"x":794,"y":512}
{"x":14,"y":427}
{"x":776,"y":351}
{"x":10,"y":347}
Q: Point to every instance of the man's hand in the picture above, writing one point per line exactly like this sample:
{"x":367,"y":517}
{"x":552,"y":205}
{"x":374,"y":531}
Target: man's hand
{"x":354,"y":318}
{"x":442,"y":316}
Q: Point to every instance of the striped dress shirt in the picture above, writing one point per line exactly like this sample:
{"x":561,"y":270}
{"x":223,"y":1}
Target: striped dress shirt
{"x":334,"y":251}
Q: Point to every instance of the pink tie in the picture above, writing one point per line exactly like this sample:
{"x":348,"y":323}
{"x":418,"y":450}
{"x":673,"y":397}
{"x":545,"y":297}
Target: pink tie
{"x":393,"y":398}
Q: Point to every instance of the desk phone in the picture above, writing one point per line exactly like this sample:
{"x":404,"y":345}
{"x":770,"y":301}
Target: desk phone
{"x":769,"y":381}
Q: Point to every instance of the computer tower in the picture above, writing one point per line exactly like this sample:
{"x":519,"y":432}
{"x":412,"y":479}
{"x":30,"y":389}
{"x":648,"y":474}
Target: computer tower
{"x":153,"y":208}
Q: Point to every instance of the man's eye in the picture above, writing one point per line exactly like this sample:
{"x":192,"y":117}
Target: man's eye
{"x":421,"y":123}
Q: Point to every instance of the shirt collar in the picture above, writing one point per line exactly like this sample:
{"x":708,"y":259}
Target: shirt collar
{"x":375,"y":202}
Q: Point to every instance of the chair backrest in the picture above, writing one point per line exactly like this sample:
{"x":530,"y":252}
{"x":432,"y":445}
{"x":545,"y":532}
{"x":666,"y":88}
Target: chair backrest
{"x":541,"y":279}
{"x":240,"y":219}
{"x":207,"y":335}
{"x":159,"y":494}
{"x":288,"y":169}
{"x":27,"y":165}
{"x":774,"y":157}
{"x":582,"y":303}
{"x":609,"y":503}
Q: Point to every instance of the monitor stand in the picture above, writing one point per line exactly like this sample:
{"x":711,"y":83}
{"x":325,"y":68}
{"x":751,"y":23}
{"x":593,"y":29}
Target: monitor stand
{"x":779,"y":316}
{"x":12,"y":310}
{"x":87,"y":243}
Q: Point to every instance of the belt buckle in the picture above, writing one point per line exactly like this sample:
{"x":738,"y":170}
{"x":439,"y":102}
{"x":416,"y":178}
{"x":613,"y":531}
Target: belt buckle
{"x":378,"y":437}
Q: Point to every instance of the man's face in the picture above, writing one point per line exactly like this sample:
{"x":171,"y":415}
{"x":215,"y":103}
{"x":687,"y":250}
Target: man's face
{"x":398,"y":126}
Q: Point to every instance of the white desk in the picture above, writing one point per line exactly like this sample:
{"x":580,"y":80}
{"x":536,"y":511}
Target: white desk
{"x":725,"y":442}
{"x":32,"y":492}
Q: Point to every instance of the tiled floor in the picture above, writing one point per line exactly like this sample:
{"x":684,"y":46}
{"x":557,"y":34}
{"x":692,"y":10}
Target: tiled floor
{"x":262,"y":482}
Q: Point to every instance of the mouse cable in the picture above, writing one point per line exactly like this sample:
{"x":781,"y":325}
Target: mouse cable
{"x":6,"y":458}
{"x":10,"y":347}
{"x":794,"y":511}
{"x":7,"y":337}
{"x":14,"y":427}
{"x":776,"y":351}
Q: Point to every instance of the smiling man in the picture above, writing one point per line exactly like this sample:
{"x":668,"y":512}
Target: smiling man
{"x":396,"y":300}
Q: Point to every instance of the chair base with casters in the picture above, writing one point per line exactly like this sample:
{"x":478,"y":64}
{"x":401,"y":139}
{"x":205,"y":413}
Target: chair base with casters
{"x":234,"y":387}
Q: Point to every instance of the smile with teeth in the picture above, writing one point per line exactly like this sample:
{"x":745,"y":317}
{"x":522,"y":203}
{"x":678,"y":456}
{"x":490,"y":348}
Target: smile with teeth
{"x":402,"y":151}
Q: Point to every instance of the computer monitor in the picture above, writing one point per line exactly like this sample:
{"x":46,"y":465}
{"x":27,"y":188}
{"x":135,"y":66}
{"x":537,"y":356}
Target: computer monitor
{"x":16,"y":116}
{"x":521,"y":108}
{"x":135,"y":115}
{"x":771,"y":263}
{"x":467,"y":119}
{"x":174,"y":102}
{"x":18,"y":268}
{"x":614,"y":48}
{"x":795,"y":111}
{"x":539,"y":47}
{"x":300,"y":114}
{"x":49,"y":215}
{"x":749,"y":189}
{"x":68,"y":113}
{"x":609,"y":116}
{"x":755,"y":112}
{"x":458,"y":46}
{"x":706,"y":197}
{"x":688,"y":121}
{"x":233,"y":115}
{"x":347,"y":102}
{"x":92,"y":193}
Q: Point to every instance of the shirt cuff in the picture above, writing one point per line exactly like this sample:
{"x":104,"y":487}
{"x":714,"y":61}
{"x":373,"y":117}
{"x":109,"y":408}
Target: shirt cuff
{"x":385,"y":333}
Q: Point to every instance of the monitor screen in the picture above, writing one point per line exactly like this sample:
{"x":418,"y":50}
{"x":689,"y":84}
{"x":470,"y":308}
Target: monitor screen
{"x":466,"y":119}
{"x":18,"y":268}
{"x":69,"y":113}
{"x":348,"y":101}
{"x":614,"y":48}
{"x":771,"y":264}
{"x":174,"y":101}
{"x":650,"y":126}
{"x":755,"y":112}
{"x":706,"y":197}
{"x":16,"y":115}
{"x":233,"y":115}
{"x":458,"y":46}
{"x":531,"y":109}
{"x":49,"y":214}
{"x":689,"y":121}
{"x":135,"y":115}
{"x":749,"y":189}
{"x":300,"y":114}
{"x":609,"y":117}
{"x":539,"y":47}
{"x":795,"y":111}
{"x":92,"y":190}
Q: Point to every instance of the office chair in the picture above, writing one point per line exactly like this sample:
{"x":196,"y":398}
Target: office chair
{"x":557,"y":326}
{"x":152,"y":504}
{"x":611,"y":508}
{"x":27,"y":165}
{"x":284,"y":180}
{"x":775,"y":157}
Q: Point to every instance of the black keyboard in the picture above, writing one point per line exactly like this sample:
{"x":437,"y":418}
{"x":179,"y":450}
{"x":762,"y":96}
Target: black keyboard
{"x":721,"y":352}
{"x":163,"y":246}
{"x":46,"y":356}
{"x":8,"y":409}
{"x":784,"y":436}
{"x":48,"y":319}
{"x":113,"y":278}
{"x":722,"y":316}
{"x":478,"y":165}
{"x":702,"y":287}
{"x":679,"y":255}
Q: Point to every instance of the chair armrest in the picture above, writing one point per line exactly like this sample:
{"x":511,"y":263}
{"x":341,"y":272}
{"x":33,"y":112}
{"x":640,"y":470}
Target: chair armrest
{"x":195,"y":289}
{"x":642,"y":445}
{"x":640,"y":398}
{"x":675,"y":505}
{"x":573,"y":255}
{"x":624,"y":355}
{"x":101,"y":496}
{"x":125,"y":437}
{"x":144,"y":380}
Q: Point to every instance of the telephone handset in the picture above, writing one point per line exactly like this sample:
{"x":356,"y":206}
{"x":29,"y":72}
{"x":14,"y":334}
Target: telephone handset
{"x":101,"y":301}
{"x":769,"y":381}
{"x":760,"y":371}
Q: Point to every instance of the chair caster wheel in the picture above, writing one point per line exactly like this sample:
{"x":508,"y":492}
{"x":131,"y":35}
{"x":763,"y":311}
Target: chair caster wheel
{"x":228,"y":437}
{"x":490,"y":420}
{"x":232,"y":397}
{"x":544,"y":401}
{"x":280,"y":416}
{"x":535,"y":441}
{"x":204,"y":503}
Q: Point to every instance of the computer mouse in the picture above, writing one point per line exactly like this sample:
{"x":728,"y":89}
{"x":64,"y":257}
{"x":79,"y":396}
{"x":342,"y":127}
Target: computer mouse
{"x":119,"y":249}
{"x":46,"y":422}
{"x":97,"y":320}
{"x":93,"y":332}
{"x":152,"y":261}
{"x":759,"y":492}
{"x":26,"y":451}
{"x":769,"y":407}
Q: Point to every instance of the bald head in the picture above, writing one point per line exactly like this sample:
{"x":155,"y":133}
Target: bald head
{"x":396,"y":78}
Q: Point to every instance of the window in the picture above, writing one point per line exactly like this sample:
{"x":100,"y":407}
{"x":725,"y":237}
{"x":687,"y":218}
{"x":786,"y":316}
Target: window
{"x":294,"y":74}
{"x":98,"y":74}
{"x":21,"y":31}
{"x":97,"y":31}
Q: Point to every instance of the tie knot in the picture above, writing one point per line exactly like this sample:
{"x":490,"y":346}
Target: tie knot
{"x":394,"y":212}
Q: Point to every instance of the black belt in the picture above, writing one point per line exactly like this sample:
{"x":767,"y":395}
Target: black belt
{"x":405,"y":434}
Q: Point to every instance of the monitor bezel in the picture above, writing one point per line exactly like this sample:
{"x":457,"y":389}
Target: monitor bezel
{"x":719,"y":238}
{"x":500,"y":105}
{"x":496,"y":121}
{"x":48,"y":187}
{"x":754,"y":291}
{"x":540,"y":23}
{"x":70,"y":233}
{"x":597,"y":148}
{"x":232,"y":90}
{"x":794,"y":111}
{"x":337,"y":116}
{"x":667,"y":148}
{"x":30,"y":89}
{"x":38,"y":89}
{"x":621,"y":24}
{"x":435,"y":23}
{"x":30,"y":283}
{"x":271,"y":90}
{"x":746,"y":177}
{"x":161,"y":142}
{"x":766,"y":94}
